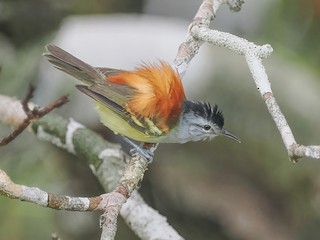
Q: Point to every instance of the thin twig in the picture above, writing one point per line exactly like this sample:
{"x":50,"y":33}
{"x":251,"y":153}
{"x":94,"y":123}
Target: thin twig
{"x":25,"y":101}
{"x":32,"y":114}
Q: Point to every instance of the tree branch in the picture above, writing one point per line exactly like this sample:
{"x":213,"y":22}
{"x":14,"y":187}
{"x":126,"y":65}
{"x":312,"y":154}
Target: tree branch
{"x":206,"y":13}
{"x":31,"y":114}
{"x":137,"y":166}
{"x":199,"y":32}
{"x":106,"y":160}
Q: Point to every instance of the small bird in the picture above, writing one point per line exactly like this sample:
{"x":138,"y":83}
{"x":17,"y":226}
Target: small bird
{"x":147,"y":104}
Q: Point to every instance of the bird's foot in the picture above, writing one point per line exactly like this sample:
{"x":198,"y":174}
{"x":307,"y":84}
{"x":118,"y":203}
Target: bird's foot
{"x":137,"y":149}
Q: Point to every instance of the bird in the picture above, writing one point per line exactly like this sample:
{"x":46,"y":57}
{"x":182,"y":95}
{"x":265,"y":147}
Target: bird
{"x":147,"y":104}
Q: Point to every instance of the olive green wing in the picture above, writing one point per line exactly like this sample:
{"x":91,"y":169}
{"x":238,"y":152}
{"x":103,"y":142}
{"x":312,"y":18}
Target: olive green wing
{"x":119,"y":94}
{"x":108,"y":71}
{"x":114,"y":100}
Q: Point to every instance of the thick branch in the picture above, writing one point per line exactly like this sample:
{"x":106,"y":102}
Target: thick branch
{"x":37,"y":196}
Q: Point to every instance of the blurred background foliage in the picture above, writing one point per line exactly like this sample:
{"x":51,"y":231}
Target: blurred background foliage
{"x":208,"y":190}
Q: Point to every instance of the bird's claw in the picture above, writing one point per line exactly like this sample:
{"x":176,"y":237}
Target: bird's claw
{"x":147,"y":154}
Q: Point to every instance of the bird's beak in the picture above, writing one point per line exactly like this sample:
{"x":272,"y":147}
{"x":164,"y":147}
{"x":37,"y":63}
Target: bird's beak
{"x":228,"y":134}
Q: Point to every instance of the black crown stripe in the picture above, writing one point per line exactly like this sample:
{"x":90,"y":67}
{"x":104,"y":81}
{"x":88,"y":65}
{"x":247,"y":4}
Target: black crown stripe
{"x":205,"y":110}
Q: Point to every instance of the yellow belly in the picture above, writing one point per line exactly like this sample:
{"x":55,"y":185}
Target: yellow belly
{"x":119,"y":125}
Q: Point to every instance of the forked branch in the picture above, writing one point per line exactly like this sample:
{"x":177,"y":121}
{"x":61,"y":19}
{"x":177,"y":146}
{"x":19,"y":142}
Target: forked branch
{"x":200,"y":32}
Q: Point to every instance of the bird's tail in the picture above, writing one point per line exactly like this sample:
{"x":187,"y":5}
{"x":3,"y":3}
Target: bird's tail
{"x":73,"y":66}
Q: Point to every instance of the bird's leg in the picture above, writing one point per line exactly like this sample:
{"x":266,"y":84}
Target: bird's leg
{"x":136,"y":148}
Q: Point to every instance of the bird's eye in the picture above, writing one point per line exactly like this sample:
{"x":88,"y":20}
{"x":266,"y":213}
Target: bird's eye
{"x":206,"y":128}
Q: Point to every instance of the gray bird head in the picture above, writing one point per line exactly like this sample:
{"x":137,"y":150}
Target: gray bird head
{"x":201,"y":121}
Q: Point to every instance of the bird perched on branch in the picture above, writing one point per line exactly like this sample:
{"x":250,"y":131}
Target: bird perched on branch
{"x":147,"y":104}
